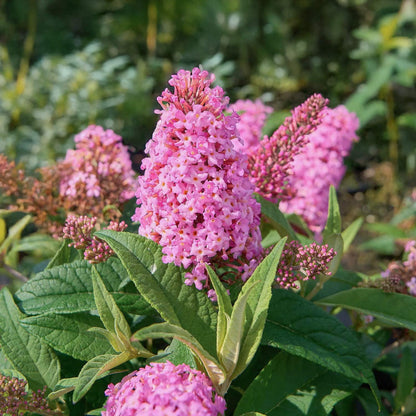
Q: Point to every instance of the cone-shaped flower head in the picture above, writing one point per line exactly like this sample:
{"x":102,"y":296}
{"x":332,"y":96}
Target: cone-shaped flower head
{"x":271,"y":160}
{"x":164,"y":389}
{"x":99,"y":167}
{"x":319,"y":165}
{"x":195,"y":198}
{"x":253,"y":115}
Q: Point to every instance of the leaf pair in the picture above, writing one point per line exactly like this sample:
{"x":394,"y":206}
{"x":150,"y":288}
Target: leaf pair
{"x":225,"y":347}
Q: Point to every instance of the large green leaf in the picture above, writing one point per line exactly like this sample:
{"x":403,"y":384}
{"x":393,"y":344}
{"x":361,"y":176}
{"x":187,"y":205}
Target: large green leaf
{"x":69,"y":334}
{"x":178,"y":353}
{"x":107,"y":308}
{"x":65,"y":254}
{"x":214,"y":370}
{"x":341,"y":280}
{"x":29,"y":355}
{"x":293,"y":386}
{"x":333,"y":222}
{"x":405,"y":380}
{"x":93,"y":369}
{"x":162,"y":285}
{"x":224,"y":307}
{"x":257,"y":305}
{"x":68,"y":289}
{"x":301,"y":328}
{"x":394,"y":308}
{"x":37,"y":242}
{"x":350,"y":232}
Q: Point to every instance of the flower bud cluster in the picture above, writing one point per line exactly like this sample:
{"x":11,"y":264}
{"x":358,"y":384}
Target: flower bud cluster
{"x":17,"y":400}
{"x":194,"y":197}
{"x":271,"y":160}
{"x":253,"y":115}
{"x":164,"y":389}
{"x":319,"y":165}
{"x":401,"y":276}
{"x":80,"y":230}
{"x":302,"y":263}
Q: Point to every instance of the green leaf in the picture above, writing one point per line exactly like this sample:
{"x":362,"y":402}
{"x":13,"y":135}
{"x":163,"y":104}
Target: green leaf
{"x":257,"y":305}
{"x":224,"y":307}
{"x":43,"y":243}
{"x":29,"y":355}
{"x":370,"y":407}
{"x":253,"y":414}
{"x":107,"y":308}
{"x":333,"y":222}
{"x":93,"y":369}
{"x":65,"y":254}
{"x":14,"y":233}
{"x":162,"y":285}
{"x":276,"y":217}
{"x":3,"y":230}
{"x":230,"y":350}
{"x":68,"y":289}
{"x":405,"y":380}
{"x":385,"y":245}
{"x":178,"y":353}
{"x":336,"y":242}
{"x":64,"y":386}
{"x":293,"y":386}
{"x":341,"y":280}
{"x":394,"y":308}
{"x":350,"y":232}
{"x":301,"y":328}
{"x":69,"y":334}
{"x":9,"y":372}
{"x":214,"y":370}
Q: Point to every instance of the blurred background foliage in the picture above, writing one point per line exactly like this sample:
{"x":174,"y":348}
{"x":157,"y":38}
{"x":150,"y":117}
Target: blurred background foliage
{"x":67,"y":64}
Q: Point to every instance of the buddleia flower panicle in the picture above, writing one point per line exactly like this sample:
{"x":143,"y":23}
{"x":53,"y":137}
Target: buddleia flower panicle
{"x":271,"y":160}
{"x":253,"y":116}
{"x":80,"y":230}
{"x":195,"y":198}
{"x":164,"y":389}
{"x":99,"y":168}
{"x":319,"y":165}
{"x":17,"y":400}
{"x":303,"y":262}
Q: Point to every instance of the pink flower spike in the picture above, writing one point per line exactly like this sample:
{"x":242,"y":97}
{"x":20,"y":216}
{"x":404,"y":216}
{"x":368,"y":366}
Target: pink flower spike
{"x":320,"y":164}
{"x":270,"y":161}
{"x":195,"y":198}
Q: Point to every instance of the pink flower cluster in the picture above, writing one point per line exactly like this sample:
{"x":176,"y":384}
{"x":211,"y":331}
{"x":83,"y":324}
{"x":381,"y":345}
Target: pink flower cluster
{"x":253,"y":115}
{"x":301,"y":263}
{"x":99,"y":166}
{"x":319,"y":165}
{"x":80,"y":230}
{"x":271,"y":159}
{"x":194,"y":197}
{"x":163,"y":389}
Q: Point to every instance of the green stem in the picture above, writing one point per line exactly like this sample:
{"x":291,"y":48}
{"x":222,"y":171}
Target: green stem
{"x":15,"y":274}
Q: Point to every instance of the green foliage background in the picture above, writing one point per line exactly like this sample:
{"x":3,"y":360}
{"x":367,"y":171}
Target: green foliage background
{"x":67,"y":64}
